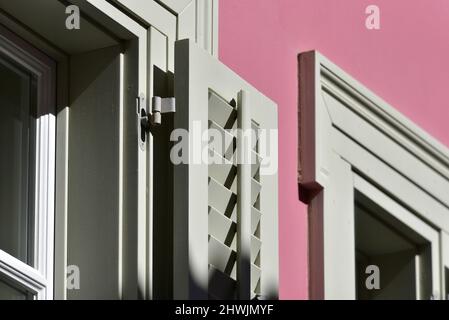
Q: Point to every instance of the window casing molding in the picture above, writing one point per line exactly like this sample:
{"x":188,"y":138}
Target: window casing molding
{"x":38,"y":279}
{"x":346,"y":131}
{"x":410,"y":220}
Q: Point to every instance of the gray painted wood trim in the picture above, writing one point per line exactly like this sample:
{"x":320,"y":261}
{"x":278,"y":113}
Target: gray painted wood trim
{"x":345,"y":128}
{"x":196,"y":73}
{"x":183,"y":19}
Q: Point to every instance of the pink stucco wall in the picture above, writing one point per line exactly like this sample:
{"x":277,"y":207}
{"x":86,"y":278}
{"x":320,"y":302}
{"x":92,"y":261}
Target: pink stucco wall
{"x":406,"y":62}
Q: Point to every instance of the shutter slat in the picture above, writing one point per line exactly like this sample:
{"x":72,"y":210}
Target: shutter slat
{"x":256,"y":128}
{"x":221,"y":112}
{"x":222,"y":257}
{"x":224,"y":144}
{"x":221,"y":286}
{"x":255,"y":219}
{"x":223,"y":172}
{"x":255,"y":163}
{"x":255,"y":277}
{"x":222,"y":228}
{"x":255,"y":190}
{"x":255,"y":248}
{"x":222,"y":199}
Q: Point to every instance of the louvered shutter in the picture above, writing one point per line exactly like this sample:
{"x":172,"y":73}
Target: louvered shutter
{"x":225,"y":210}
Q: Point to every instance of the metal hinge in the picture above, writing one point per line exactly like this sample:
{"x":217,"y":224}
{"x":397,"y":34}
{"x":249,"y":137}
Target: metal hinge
{"x":158,"y":107}
{"x":161,"y":105}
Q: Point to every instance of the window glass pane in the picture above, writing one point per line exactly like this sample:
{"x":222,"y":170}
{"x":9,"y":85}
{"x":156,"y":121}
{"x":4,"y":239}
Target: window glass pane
{"x":10,"y":292}
{"x":390,"y":252}
{"x":17,"y":159}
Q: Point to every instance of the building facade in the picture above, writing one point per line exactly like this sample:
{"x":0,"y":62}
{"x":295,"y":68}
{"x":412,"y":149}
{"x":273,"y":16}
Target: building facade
{"x":152,"y":151}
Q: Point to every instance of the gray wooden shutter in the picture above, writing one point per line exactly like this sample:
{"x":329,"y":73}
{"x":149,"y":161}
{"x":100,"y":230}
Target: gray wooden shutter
{"x":225,"y":214}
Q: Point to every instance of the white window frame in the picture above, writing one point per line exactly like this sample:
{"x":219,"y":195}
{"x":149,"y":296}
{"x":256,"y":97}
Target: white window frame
{"x":37,"y":279}
{"x":347,"y":132}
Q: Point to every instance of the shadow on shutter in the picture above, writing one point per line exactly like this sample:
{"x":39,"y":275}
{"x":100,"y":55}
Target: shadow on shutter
{"x":222,"y":203}
{"x":225,"y":212}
